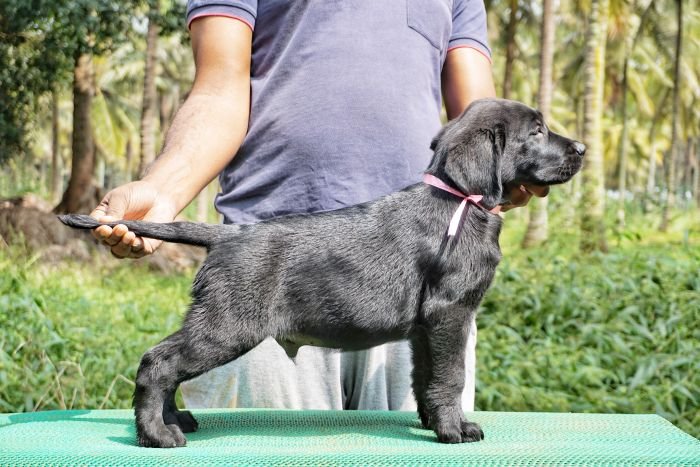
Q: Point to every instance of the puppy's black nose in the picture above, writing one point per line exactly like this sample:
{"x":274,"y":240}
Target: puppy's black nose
{"x":580,"y":148}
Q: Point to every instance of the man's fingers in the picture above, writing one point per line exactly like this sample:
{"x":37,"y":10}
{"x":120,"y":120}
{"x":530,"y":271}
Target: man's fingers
{"x":116,"y":255}
{"x":124,"y":243}
{"x":102,"y":233}
{"x":123,"y":248}
{"x":111,"y":208}
{"x":537,"y":190}
{"x":137,"y":249}
{"x":118,"y":232}
{"x":130,"y":246}
{"x":150,"y":245}
{"x":520,"y":197}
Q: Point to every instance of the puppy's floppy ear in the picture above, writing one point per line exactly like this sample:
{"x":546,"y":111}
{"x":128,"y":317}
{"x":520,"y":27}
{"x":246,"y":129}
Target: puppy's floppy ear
{"x":438,"y":137}
{"x":471,"y":161}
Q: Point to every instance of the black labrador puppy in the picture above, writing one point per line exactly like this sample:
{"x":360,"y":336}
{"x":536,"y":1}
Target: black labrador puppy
{"x":359,"y":276}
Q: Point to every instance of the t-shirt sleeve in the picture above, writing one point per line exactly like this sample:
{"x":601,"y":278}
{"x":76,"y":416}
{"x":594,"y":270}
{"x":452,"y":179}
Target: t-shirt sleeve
{"x":469,"y":26}
{"x":242,"y":10}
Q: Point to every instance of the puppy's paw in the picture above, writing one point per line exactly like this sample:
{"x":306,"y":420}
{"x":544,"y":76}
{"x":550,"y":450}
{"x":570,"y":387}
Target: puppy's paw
{"x":181,"y":418}
{"x":179,"y":438}
{"x":465,"y":432}
{"x":471,"y":432}
{"x":449,"y":435}
{"x":164,"y":436}
{"x":186,"y":422}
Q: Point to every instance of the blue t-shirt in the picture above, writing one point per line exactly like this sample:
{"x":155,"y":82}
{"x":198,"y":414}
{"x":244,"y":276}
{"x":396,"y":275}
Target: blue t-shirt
{"x":345,"y":98}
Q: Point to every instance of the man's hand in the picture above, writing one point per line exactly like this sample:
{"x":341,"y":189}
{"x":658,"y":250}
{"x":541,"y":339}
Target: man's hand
{"x":520,"y":195}
{"x":134,"y":201}
{"x":207,"y":131}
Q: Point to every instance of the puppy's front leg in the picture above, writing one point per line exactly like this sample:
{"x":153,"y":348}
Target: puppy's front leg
{"x":447,"y":339}
{"x":421,"y":367}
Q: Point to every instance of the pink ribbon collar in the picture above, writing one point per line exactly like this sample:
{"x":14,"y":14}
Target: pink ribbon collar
{"x":457,"y":216}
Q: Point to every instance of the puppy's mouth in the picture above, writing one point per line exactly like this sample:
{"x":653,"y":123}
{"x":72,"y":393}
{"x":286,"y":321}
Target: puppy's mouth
{"x":567,"y":171}
{"x":560,"y":174}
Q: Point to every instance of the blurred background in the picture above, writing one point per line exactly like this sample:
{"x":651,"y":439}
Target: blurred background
{"x":595,"y":307}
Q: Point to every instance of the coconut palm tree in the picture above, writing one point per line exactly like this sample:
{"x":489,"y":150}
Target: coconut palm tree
{"x":149,"y":107}
{"x":670,"y":160}
{"x":630,"y":38}
{"x":510,"y":49}
{"x":593,"y":183}
{"x":56,"y":187}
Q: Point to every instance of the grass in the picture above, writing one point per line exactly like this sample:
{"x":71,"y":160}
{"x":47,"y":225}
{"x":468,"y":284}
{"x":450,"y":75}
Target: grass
{"x":71,"y":335}
{"x":614,"y":333}
{"x":558,"y":331}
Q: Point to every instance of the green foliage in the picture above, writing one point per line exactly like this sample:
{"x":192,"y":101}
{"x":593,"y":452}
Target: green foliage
{"x":610,"y":332}
{"x":22,"y":81}
{"x":171,"y":18}
{"x":40,"y":41}
{"x":71,"y":336}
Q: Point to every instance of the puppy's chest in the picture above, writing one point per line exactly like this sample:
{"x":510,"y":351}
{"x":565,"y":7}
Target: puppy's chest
{"x":466,"y":270}
{"x":477,"y":267}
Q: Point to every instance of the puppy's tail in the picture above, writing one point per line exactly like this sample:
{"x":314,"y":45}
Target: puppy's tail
{"x":190,"y":233}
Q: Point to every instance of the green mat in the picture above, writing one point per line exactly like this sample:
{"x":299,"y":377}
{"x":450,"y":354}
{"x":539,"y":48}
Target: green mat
{"x":265,"y":437}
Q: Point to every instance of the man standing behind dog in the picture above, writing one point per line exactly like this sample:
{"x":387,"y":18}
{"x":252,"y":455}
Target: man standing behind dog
{"x":300,"y":107}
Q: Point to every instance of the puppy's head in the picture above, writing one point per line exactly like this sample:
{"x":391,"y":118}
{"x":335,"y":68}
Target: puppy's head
{"x":496,"y":145}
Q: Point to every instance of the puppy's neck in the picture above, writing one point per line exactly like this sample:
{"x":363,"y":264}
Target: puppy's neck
{"x":485,"y":224}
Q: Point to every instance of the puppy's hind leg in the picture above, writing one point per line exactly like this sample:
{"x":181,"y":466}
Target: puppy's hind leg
{"x":155,"y":382}
{"x":180,"y":357}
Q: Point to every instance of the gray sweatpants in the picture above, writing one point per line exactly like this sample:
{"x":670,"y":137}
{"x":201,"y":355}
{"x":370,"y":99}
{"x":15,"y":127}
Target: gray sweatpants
{"x":374,"y":379}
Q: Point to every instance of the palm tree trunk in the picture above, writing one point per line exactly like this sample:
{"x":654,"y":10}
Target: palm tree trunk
{"x":571,"y":216}
{"x":622,"y":149}
{"x":510,"y":49}
{"x":593,"y":207}
{"x":538,"y":226}
{"x":77,"y":197}
{"x":651,"y":174}
{"x":129,"y":158}
{"x":56,"y":186}
{"x":696,"y":172}
{"x":149,"y":107}
{"x":651,"y":177}
{"x":687,"y":166}
{"x":630,"y":42}
{"x":673,"y":152}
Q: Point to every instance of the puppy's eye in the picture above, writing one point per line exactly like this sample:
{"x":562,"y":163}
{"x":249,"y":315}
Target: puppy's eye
{"x":537,"y":131}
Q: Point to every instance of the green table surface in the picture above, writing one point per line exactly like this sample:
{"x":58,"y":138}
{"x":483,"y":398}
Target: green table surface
{"x":265,"y":437}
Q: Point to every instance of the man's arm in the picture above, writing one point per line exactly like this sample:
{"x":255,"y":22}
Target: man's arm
{"x":206,"y":133}
{"x":467,"y":76}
